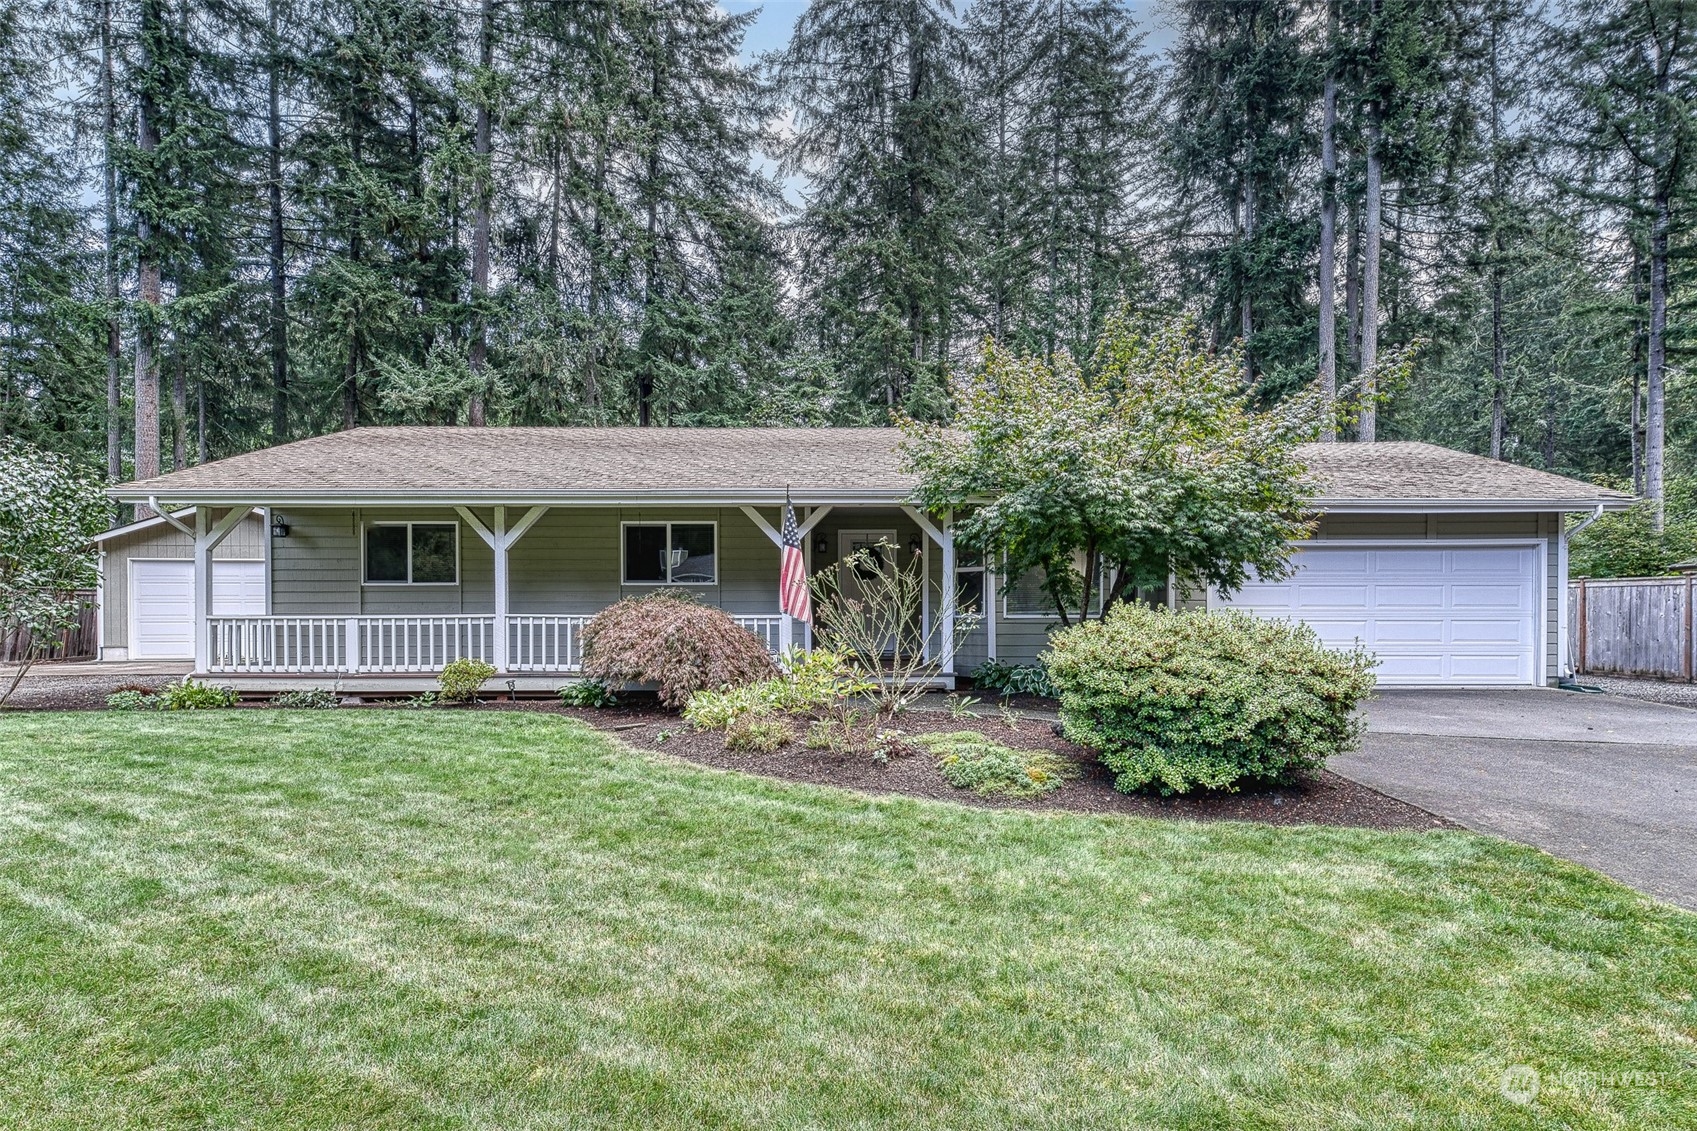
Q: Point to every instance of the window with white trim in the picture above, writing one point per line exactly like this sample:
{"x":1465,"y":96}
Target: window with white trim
{"x":412,"y":553}
{"x":1025,"y":597}
{"x":671,"y":553}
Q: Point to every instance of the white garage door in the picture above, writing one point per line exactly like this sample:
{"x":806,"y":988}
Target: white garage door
{"x":1432,"y":616}
{"x":162,"y":603}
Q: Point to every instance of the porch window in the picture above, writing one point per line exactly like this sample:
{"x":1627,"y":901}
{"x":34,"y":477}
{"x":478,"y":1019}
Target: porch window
{"x":671,"y":553}
{"x":412,"y":553}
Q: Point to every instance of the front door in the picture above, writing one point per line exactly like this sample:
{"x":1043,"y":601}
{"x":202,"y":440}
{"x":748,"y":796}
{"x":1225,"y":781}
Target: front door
{"x":861,"y":556}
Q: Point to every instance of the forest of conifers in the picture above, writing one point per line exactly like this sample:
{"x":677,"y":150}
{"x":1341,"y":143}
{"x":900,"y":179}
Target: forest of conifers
{"x":229,"y":223}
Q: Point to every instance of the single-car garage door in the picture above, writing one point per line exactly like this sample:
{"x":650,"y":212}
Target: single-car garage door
{"x":1461,"y":616}
{"x":162,"y":603}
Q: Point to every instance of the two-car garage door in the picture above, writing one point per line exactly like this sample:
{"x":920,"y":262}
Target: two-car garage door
{"x":1432,"y":615}
{"x":162,"y":603}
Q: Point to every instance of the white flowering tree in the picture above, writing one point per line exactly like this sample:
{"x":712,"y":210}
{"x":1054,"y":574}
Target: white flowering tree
{"x":1152,"y":457}
{"x":49,"y":510}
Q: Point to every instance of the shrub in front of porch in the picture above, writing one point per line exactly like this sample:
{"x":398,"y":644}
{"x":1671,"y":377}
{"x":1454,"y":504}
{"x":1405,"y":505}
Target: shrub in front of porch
{"x":461,"y":680}
{"x":1178,"y":701}
{"x":679,"y":644}
{"x":821,"y":681}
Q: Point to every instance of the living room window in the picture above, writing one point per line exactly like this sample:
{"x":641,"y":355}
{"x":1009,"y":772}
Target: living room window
{"x":671,"y":553}
{"x":412,"y":553}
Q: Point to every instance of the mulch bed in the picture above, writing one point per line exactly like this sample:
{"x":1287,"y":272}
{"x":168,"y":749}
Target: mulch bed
{"x":1323,"y":799}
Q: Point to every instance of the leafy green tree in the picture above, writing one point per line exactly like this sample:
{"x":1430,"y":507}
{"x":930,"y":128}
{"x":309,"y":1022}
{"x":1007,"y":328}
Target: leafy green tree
{"x":1149,"y":460}
{"x":49,"y":509}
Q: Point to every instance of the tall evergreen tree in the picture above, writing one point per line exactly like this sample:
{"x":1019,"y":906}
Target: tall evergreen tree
{"x":1630,"y":115}
{"x":881,"y":130}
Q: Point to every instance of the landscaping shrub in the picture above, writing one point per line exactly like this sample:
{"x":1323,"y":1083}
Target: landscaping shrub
{"x":822,"y":680}
{"x":968,"y":760}
{"x":461,"y":680}
{"x":758,"y":735}
{"x":588,"y":693}
{"x":1013,"y":679}
{"x":307,"y":699}
{"x":187,"y":695}
{"x":668,"y":639}
{"x":132,"y":699}
{"x":1210,"y":700}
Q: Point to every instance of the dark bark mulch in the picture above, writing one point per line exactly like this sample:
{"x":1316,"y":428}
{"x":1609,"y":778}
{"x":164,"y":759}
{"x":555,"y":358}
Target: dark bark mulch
{"x":1323,"y":799}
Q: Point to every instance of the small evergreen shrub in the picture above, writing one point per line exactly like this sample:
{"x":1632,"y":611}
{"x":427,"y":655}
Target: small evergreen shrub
{"x":132,"y":699}
{"x":1013,"y":679}
{"x":1205,"y":700}
{"x":588,"y":693}
{"x":680,"y":644}
{"x":759,"y":735}
{"x":306,"y":699}
{"x":461,"y":680}
{"x":187,"y":695}
{"x":813,"y":682}
{"x":968,"y":760}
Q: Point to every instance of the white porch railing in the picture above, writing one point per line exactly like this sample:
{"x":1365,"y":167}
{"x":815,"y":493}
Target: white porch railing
{"x":535,"y":643}
{"x":347,"y":644}
{"x":545,"y":643}
{"x":770,"y":630}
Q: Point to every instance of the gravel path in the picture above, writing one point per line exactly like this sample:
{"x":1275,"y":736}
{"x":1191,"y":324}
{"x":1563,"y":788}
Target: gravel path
{"x":1650,"y":690}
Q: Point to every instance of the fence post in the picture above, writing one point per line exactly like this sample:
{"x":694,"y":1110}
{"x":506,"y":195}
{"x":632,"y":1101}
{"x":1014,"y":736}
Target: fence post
{"x":1582,"y":665}
{"x":1685,"y":651}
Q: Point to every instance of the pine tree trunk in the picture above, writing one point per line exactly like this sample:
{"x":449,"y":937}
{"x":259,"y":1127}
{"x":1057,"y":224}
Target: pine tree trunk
{"x":179,"y":408}
{"x":148,"y":279}
{"x":1352,"y":293}
{"x":479,"y":351}
{"x":1499,"y":380}
{"x":279,"y":316}
{"x":114,"y":322}
{"x":1328,"y":254}
{"x":201,"y":445}
{"x":1370,"y":283}
{"x":1654,"y":376}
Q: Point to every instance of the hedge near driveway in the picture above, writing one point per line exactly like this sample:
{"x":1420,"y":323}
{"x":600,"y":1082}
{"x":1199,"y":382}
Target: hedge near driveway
{"x":464,"y":919}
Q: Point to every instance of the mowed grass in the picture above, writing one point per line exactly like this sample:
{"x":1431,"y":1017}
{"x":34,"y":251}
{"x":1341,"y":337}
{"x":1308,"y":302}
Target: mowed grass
{"x":438,"y":920}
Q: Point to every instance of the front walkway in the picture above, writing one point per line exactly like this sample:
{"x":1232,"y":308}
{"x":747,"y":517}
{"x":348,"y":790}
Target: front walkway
{"x":1605,"y":781}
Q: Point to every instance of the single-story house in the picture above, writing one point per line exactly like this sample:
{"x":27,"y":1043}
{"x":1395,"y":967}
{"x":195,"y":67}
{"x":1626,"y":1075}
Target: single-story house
{"x":383,"y":553}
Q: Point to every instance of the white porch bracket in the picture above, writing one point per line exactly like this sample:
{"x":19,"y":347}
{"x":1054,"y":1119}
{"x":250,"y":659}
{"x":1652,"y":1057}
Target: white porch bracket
{"x":500,"y":539}
{"x":786,"y":631}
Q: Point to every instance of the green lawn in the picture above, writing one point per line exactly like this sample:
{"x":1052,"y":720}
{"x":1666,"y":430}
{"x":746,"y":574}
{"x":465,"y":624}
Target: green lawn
{"x":454,"y":919}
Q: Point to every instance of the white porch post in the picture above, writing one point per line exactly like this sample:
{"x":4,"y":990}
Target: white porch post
{"x":949,"y":585}
{"x":207,"y":537}
{"x":202,"y":588}
{"x":499,"y":545}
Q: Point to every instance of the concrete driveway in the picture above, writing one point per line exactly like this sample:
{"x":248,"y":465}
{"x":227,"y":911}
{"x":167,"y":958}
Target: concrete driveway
{"x":1605,"y":781}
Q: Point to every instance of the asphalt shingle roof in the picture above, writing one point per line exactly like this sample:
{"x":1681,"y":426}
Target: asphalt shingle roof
{"x":739,"y":465}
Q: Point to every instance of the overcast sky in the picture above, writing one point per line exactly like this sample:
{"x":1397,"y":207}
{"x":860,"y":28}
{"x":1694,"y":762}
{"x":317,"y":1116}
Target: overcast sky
{"x":771,"y":30}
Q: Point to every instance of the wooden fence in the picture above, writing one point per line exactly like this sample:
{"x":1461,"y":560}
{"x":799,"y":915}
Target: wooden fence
{"x":73,"y":644}
{"x":1632,"y":626}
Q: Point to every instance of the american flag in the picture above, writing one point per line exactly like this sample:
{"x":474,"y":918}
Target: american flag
{"x":793,"y":595}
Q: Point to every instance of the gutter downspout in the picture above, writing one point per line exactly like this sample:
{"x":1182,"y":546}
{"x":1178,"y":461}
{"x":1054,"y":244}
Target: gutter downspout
{"x":1566,"y":678}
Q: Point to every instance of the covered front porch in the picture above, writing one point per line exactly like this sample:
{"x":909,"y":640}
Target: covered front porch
{"x":383,"y":597}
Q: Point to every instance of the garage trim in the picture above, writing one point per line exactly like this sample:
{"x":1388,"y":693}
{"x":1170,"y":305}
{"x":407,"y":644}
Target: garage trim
{"x":1541,"y":553}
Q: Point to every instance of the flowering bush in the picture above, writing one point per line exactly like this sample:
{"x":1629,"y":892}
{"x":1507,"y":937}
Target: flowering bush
{"x":670,"y":640}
